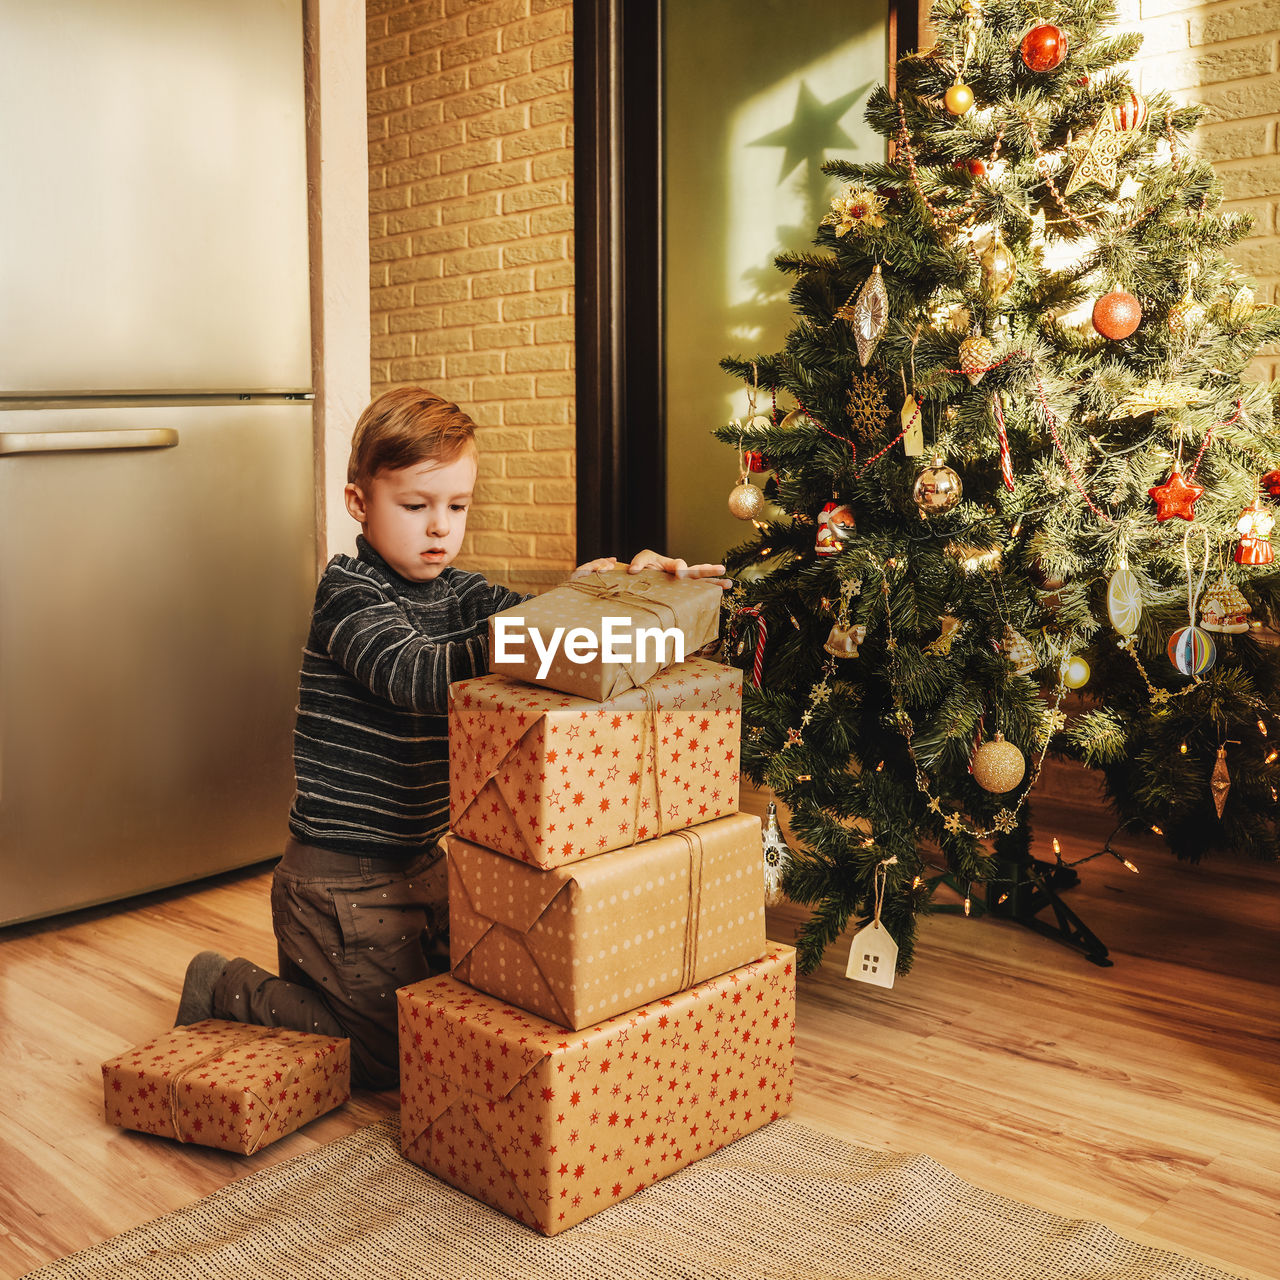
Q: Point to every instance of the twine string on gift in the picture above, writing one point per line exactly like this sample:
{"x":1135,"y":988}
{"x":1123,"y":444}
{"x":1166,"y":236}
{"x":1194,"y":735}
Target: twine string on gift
{"x":693,"y":843}
{"x":240,"y":1035}
{"x":648,"y":767}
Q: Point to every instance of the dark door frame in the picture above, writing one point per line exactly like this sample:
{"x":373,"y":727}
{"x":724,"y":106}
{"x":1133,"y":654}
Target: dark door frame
{"x":618,"y":202}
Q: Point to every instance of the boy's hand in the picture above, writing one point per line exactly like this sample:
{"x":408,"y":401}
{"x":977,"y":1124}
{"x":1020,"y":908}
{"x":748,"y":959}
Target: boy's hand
{"x":603,"y":564}
{"x":652,"y":560}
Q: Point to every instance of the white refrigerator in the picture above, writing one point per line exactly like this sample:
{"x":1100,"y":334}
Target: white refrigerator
{"x":156,"y":460}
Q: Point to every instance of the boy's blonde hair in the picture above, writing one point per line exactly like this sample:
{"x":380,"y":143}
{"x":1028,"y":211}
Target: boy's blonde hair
{"x":404,"y":427}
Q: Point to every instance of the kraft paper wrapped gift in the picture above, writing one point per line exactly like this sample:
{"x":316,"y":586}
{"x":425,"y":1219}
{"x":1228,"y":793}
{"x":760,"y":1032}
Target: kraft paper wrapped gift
{"x":651,"y":600}
{"x":552,"y":1126}
{"x":550,"y":779}
{"x":227,"y":1084}
{"x":581,"y":943}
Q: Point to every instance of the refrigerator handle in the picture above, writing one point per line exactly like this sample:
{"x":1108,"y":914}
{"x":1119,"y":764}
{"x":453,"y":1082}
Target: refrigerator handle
{"x":15,"y":442}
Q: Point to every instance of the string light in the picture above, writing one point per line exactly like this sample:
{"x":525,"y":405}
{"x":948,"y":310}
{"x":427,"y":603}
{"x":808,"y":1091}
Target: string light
{"x":917,"y":882}
{"x":1157,"y":831}
{"x":967,"y":904}
{"x":1262,"y":727}
{"x":1183,"y":748}
{"x":1003,"y":898}
{"x":880,"y":767}
{"x":1271,"y":755}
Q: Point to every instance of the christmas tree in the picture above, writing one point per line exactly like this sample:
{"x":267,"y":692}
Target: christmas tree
{"x":1012,"y":454}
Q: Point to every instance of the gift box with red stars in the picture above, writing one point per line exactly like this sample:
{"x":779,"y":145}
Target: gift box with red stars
{"x":227,"y":1084}
{"x":550,"y":778}
{"x":580,"y":943}
{"x":552,"y":1126}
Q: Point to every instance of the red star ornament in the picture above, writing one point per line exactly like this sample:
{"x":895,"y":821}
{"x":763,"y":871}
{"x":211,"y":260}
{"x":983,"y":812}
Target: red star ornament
{"x":1176,"y":497}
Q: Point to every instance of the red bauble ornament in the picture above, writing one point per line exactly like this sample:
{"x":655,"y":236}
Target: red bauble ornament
{"x":1271,"y":483}
{"x":975,"y":166}
{"x":755,"y":461}
{"x":1044,"y":47}
{"x":1176,"y":497}
{"x":1116,"y":315}
{"x":1131,"y":113}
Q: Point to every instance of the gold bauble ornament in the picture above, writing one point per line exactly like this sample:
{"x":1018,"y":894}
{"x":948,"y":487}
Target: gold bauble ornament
{"x":1075,"y":672}
{"x":998,"y":765}
{"x":958,"y":99}
{"x":977,"y":355}
{"x":937,"y":488}
{"x":999,"y":266}
{"x":745,"y":500}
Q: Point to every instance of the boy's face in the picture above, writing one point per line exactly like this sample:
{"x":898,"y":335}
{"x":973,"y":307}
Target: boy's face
{"x":414,"y":518}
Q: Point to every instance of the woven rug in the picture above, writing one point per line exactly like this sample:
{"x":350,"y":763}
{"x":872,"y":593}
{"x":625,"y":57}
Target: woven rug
{"x":784,"y":1203}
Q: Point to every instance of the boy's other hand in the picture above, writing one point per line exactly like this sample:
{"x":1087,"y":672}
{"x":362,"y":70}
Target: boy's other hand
{"x":678,"y":568}
{"x":601,"y":565}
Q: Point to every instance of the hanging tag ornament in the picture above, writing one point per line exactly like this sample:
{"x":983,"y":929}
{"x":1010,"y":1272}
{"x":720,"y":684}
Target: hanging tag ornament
{"x":912,"y":428}
{"x":777,"y":855}
{"x":873,"y":957}
{"x":869,"y":314}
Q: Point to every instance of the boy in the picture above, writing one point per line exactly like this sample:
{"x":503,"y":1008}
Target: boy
{"x":359,"y":900}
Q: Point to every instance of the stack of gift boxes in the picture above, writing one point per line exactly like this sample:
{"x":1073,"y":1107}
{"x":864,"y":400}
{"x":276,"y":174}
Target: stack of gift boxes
{"x":614,"y":1011}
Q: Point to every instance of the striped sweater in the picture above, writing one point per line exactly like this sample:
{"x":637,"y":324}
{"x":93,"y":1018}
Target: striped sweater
{"x":371,"y":744}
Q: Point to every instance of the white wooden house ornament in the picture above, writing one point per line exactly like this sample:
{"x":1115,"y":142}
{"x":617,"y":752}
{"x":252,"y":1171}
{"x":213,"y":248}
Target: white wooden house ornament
{"x":873,"y":957}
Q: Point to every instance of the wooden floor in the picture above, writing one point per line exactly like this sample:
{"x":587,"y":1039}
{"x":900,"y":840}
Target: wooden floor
{"x":1144,"y":1095}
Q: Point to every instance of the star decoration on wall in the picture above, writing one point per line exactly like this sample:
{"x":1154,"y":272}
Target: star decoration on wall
{"x":814,"y":129}
{"x":1176,"y":497}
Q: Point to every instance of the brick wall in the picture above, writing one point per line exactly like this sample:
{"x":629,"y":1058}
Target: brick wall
{"x":1226,"y":55}
{"x":471,"y":242}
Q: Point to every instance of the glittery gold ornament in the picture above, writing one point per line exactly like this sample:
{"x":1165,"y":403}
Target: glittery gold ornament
{"x":998,"y":765}
{"x":1186,"y":316}
{"x":998,"y":266}
{"x":1154,"y":396}
{"x":745,"y":500}
{"x":977,"y":355}
{"x":867,"y":408}
{"x":1097,"y":156}
{"x":946,"y":638}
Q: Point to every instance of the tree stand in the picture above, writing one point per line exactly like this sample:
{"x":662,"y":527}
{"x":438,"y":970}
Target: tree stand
{"x":1033,"y":885}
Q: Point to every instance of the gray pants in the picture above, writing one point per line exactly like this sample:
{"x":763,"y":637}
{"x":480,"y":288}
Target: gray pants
{"x":350,"y":930}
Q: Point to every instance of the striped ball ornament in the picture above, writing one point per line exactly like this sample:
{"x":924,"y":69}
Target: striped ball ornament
{"x":1192,"y":651}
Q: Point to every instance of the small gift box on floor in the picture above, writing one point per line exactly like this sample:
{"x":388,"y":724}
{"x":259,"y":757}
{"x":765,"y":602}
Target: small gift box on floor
{"x":549,"y":778}
{"x":227,"y":1084}
{"x":606,"y":632}
{"x":552,"y":1126}
{"x":580,"y":943}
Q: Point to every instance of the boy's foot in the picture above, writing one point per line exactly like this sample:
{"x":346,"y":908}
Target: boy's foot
{"x":203,"y":973}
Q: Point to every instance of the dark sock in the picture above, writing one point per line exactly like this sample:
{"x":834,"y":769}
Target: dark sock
{"x":196,"y":1002}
